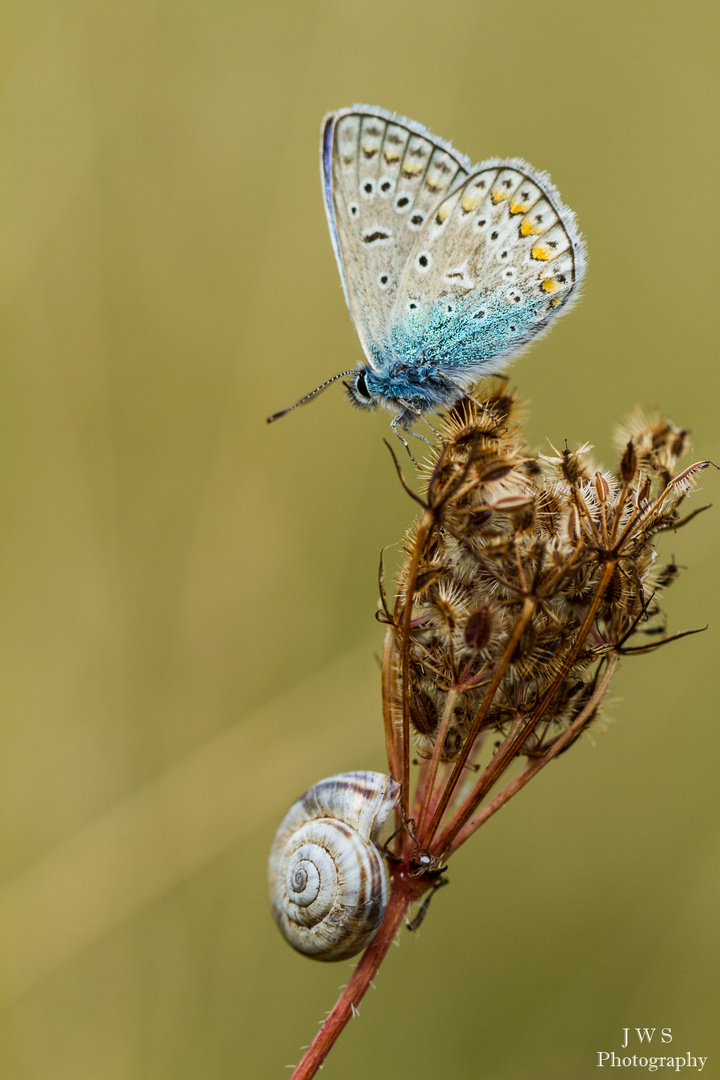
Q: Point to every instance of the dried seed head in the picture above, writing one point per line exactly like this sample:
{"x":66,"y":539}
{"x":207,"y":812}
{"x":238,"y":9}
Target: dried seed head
{"x":572,"y":466}
{"x":521,"y":551}
{"x":478,"y":629}
{"x":425,"y":578}
{"x":629,"y":464}
{"x":423,"y":712}
{"x":602,"y":487}
{"x":658,"y":443}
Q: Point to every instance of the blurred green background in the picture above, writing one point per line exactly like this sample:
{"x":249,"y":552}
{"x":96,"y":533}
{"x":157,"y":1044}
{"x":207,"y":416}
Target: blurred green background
{"x":188,"y":596}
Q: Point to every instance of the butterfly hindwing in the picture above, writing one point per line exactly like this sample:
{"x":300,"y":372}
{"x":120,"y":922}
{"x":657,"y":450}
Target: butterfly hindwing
{"x":494,"y":262}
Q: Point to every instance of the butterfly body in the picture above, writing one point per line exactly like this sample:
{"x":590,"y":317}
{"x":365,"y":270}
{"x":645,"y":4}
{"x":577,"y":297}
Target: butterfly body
{"x":436,"y":353}
{"x":448,"y":269}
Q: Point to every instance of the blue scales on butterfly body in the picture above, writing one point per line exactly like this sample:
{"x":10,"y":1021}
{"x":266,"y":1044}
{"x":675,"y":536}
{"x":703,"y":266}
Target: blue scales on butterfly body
{"x":448,"y":269}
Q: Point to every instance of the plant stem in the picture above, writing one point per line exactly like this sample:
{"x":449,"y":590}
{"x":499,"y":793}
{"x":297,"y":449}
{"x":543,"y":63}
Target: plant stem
{"x":534,"y":768}
{"x":429,"y":779}
{"x":404,"y":891}
{"x":513,"y":743}
{"x":524,"y":619}
{"x":424,"y":526}
{"x":389,"y":678}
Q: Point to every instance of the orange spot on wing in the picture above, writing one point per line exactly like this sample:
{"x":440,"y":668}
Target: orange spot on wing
{"x":540,"y":253}
{"x":471,"y":202}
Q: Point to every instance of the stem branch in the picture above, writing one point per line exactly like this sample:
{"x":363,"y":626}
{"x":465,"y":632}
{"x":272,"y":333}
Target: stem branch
{"x":424,"y":526}
{"x":534,"y":767}
{"x":514,"y":742}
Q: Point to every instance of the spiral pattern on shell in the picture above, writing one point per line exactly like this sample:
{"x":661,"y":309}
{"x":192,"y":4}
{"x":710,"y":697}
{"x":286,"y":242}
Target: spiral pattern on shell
{"x":328,"y":884}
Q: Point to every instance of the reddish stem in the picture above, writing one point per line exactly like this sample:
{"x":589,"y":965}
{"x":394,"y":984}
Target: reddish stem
{"x":426,"y":837}
{"x":404,"y":891}
{"x":531,"y":770}
{"x":513,"y":743}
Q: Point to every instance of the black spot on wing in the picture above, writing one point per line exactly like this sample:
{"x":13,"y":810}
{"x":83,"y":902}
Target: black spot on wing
{"x":373,"y":237}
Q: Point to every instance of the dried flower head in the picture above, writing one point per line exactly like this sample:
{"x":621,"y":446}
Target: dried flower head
{"x":524,"y":579}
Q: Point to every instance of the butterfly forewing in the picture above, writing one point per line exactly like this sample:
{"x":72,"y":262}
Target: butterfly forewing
{"x":383,"y":179}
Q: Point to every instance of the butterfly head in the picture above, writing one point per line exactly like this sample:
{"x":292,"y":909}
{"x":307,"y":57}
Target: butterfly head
{"x":360,"y":390}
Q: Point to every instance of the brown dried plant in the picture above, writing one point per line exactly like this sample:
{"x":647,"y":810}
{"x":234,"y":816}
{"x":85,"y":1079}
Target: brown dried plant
{"x":524,"y":578}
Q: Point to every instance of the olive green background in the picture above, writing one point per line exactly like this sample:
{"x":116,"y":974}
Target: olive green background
{"x":188,"y":596}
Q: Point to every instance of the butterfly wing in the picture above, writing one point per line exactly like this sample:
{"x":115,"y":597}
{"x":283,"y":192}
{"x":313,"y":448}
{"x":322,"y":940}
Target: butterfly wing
{"x":383,"y":176}
{"x":495,"y":262}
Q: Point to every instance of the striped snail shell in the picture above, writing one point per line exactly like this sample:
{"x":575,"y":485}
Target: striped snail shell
{"x":328,"y":883}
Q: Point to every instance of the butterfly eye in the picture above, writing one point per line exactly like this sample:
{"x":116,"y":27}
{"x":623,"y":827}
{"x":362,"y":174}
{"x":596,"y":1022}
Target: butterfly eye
{"x":361,"y":387}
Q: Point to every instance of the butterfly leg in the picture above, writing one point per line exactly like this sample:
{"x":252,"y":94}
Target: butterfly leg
{"x":420,"y":416}
{"x":434,"y":430}
{"x":403,"y":416}
{"x":393,"y":425}
{"x":417,"y":435}
{"x":478,"y":404}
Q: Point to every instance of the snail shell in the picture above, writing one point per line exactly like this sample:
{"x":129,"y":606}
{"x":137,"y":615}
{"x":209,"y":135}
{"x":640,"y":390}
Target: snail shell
{"x":328,"y":884}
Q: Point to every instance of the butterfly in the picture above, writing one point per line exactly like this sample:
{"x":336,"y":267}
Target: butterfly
{"x":449,"y":269}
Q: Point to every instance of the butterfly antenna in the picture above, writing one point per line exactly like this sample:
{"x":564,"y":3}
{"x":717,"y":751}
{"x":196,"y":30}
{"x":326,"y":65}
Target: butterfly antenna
{"x":312,"y":394}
